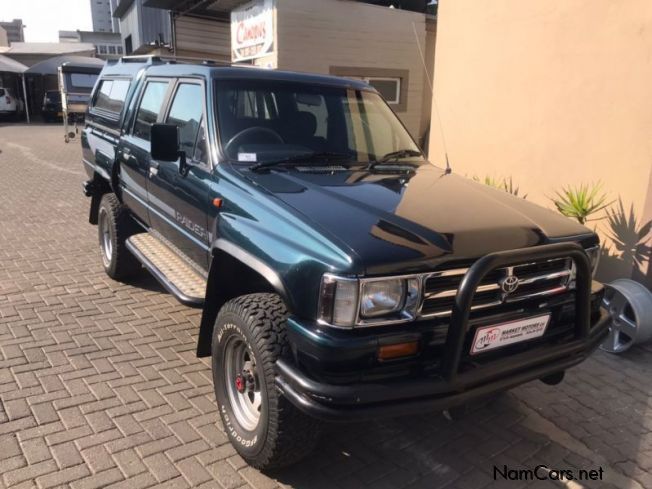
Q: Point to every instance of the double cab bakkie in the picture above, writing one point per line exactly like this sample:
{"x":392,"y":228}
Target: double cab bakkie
{"x":341,"y":275}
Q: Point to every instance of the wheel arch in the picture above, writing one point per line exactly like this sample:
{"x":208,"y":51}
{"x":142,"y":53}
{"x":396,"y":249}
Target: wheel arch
{"x":234,"y":272}
{"x":99,"y":187}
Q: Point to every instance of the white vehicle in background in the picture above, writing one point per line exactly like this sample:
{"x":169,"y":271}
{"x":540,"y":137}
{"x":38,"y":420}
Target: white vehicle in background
{"x":10,"y":105}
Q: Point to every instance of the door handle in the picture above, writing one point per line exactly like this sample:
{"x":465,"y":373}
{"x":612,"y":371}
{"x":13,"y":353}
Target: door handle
{"x":126,"y":154}
{"x":153,"y":168}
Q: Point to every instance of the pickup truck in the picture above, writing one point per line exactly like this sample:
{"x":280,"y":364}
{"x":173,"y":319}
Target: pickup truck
{"x":341,"y":275}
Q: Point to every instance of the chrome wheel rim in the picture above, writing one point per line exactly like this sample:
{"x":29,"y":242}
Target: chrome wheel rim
{"x":242,"y":382}
{"x":105,"y":238}
{"x":622,"y":331}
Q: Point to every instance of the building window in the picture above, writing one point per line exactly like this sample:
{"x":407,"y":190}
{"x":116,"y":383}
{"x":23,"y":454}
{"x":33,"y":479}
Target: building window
{"x":391,"y":83}
{"x":111,"y":49}
{"x":119,"y":49}
{"x":389,"y":88}
{"x":128,"y":46}
{"x":102,"y":49}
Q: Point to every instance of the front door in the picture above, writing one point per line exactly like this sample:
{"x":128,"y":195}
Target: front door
{"x":134,"y":149}
{"x":178,"y":202}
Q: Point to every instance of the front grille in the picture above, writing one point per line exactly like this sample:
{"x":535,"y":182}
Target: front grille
{"x":531,"y":280}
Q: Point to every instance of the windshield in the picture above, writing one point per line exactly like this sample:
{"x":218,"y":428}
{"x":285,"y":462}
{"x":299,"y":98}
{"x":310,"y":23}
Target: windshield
{"x":80,"y":82}
{"x":266,"y":121}
{"x":53,"y":97}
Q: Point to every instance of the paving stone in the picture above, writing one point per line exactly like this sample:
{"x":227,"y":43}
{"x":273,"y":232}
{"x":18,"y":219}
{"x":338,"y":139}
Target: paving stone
{"x":31,"y":471}
{"x":159,"y":465}
{"x":98,"y":458}
{"x":67,"y":455}
{"x":129,"y":463}
{"x":193,"y":471}
{"x":36,"y":450}
{"x":62,"y":476}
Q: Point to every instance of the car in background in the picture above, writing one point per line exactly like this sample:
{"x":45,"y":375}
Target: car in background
{"x":51,"y":109}
{"x":10,"y":106}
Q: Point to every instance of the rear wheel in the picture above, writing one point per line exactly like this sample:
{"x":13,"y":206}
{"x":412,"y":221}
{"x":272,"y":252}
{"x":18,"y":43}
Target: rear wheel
{"x":265,"y":429}
{"x":115,"y":225}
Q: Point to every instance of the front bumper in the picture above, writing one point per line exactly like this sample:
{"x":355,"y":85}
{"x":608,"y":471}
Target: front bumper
{"x":332,"y":402}
{"x":451,"y":383}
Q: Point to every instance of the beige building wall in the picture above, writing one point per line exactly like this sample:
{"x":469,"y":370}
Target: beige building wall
{"x":552,"y":93}
{"x":4,"y":41}
{"x":333,"y":36}
{"x":197,"y":37}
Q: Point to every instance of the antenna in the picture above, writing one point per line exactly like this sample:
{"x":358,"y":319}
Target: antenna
{"x":434,"y":99}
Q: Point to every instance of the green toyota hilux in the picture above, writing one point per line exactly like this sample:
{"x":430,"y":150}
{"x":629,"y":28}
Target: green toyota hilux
{"x":341,"y":275}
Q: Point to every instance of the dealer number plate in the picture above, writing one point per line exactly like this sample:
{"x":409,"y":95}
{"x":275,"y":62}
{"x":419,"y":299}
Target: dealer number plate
{"x":495,"y":336}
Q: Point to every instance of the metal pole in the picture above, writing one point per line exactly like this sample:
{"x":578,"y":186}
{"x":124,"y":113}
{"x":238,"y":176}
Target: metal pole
{"x":25,"y":97}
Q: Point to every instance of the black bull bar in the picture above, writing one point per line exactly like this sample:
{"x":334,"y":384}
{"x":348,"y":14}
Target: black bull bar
{"x":335,"y":402}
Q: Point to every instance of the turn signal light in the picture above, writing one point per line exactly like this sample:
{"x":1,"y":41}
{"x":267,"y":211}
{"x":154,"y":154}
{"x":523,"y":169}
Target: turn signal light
{"x":397,"y":350}
{"x":217,"y":202}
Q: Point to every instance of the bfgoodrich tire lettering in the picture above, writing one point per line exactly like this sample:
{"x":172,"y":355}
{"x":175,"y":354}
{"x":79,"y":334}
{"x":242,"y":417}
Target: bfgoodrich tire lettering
{"x":115,"y":225}
{"x":282,"y":434}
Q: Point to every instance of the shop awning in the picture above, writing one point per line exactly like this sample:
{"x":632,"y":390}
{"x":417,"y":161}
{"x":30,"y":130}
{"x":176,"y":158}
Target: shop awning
{"x":8,"y":65}
{"x":51,"y":65}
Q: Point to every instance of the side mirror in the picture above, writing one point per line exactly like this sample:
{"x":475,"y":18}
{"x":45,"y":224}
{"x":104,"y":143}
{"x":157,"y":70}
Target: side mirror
{"x":164,"y":142}
{"x":165,"y":145}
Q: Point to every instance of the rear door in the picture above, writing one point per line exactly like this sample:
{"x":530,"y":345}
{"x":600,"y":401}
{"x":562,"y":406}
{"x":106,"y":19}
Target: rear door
{"x":134,"y":149}
{"x":178,"y":202}
{"x":99,"y":139}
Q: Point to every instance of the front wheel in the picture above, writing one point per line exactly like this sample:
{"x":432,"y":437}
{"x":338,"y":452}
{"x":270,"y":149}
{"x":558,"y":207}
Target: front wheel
{"x":248,"y":338}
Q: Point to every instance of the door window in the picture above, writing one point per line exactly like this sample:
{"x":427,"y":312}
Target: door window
{"x":150,"y":106}
{"x":111,"y":95}
{"x":186,"y":113}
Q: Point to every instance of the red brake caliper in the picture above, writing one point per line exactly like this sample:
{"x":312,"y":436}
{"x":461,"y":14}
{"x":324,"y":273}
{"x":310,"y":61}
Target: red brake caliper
{"x":240,"y":383}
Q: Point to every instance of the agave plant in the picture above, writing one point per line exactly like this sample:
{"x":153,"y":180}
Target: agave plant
{"x":582,"y":201}
{"x":630,"y":239}
{"x":489,"y":180}
{"x":504,"y":184}
{"x":509,"y":187}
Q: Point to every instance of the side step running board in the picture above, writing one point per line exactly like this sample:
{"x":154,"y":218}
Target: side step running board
{"x":173,"y":272}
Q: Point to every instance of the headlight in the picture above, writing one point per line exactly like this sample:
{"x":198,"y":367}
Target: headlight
{"x":381,"y":297}
{"x":594,"y":257}
{"x":349,"y":302}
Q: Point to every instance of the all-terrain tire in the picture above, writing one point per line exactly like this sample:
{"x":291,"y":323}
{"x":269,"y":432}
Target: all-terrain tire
{"x":115,"y":225}
{"x":283,"y":434}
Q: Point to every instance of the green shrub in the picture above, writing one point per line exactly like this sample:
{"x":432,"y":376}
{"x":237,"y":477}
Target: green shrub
{"x":507,"y":185}
{"x":581,"y":202}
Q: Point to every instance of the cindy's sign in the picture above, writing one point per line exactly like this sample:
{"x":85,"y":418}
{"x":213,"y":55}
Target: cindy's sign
{"x":252,"y":30}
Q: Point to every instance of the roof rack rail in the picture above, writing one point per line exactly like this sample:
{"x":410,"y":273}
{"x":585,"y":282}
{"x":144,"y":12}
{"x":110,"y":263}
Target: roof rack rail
{"x":156,"y":59}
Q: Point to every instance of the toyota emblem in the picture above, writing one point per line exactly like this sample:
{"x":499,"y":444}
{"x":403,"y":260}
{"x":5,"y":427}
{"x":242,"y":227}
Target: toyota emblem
{"x":509,"y":284}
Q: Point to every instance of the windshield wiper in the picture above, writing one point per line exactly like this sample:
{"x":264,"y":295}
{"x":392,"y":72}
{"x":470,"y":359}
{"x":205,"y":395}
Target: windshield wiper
{"x":301,"y":158}
{"x":394,"y":156}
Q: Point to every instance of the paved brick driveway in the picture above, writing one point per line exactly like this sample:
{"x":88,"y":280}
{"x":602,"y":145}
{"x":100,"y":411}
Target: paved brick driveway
{"x":99,"y":384}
